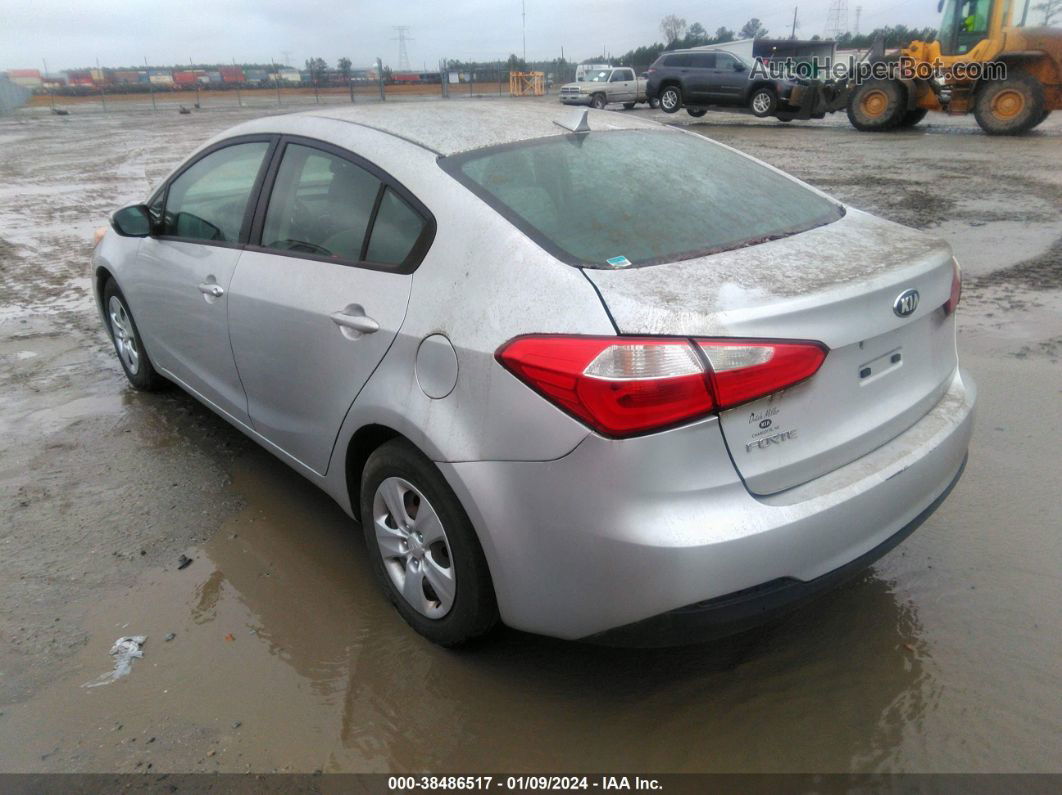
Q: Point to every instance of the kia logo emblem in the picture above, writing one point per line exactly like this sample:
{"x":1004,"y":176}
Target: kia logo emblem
{"x":906,"y":303}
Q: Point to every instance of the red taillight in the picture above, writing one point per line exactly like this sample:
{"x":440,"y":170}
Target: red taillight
{"x":623,"y":386}
{"x":743,"y":370}
{"x":956,"y":288}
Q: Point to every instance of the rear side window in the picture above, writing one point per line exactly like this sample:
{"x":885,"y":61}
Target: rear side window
{"x":321,"y":204}
{"x":703,"y":60}
{"x":573,"y":195}
{"x":208,"y":201}
{"x":678,"y":60}
{"x":395,"y":231}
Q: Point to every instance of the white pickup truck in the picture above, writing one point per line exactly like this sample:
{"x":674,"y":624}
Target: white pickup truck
{"x":605,"y":86}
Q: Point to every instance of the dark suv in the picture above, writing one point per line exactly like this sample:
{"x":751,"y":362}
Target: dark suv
{"x":699,"y":78}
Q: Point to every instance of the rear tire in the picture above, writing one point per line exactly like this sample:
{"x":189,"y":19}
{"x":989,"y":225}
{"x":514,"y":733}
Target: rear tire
{"x":399,"y":486}
{"x":696,"y":112}
{"x":877,"y":106}
{"x":1012,"y":106}
{"x":763,"y":102}
{"x":670,"y":99}
{"x":598,"y":101}
{"x":913,"y":117}
{"x":127,"y":341}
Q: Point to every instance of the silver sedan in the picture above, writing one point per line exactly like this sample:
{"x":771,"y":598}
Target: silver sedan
{"x":591,"y":376}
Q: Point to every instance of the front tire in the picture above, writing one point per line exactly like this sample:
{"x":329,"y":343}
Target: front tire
{"x":763,"y":102}
{"x":1012,"y":106}
{"x":598,"y":101}
{"x":877,"y":106}
{"x":127,"y":342}
{"x":423,"y":549}
{"x":670,"y":99}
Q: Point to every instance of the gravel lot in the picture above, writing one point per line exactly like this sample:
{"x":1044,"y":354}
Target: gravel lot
{"x":945,"y":657}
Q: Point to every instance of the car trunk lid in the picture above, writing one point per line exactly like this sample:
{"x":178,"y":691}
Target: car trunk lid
{"x":836,"y":284}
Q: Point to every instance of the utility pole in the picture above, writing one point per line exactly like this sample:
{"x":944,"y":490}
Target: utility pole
{"x":276,"y":76}
{"x":859,"y":13}
{"x":151,"y":87}
{"x":793,"y":34}
{"x":239,"y":101}
{"x":196,"y":78}
{"x":523,"y":17}
{"x":51,"y":89}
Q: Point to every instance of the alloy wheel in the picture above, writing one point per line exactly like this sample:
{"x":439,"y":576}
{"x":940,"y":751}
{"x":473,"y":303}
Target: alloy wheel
{"x":669,"y":99}
{"x":761,"y":103}
{"x":414,"y":546}
{"x":124,"y":335}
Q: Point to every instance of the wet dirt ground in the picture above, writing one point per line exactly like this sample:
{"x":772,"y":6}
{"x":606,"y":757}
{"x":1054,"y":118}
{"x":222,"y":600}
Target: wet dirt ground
{"x":946,"y":656}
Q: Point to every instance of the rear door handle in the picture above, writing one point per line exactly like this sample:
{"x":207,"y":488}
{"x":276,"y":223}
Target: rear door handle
{"x":355,"y":322}
{"x":212,"y":288}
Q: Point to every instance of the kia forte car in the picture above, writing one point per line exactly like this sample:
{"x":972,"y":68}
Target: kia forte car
{"x":644,"y":411}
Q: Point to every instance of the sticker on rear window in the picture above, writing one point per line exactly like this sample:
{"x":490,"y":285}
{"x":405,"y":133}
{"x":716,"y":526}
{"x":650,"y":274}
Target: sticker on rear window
{"x":618,"y":262}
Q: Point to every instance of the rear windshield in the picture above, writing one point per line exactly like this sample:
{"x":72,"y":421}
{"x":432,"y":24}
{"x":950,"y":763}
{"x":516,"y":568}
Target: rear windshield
{"x":638,"y":197}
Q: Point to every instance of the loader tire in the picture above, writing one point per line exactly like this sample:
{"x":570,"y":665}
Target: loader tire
{"x":877,"y":106}
{"x":1012,"y":106}
{"x":912,"y":117}
{"x":1042,"y":118}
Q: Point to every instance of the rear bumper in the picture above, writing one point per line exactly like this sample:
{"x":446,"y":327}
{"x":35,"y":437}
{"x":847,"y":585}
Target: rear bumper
{"x":736,"y":612}
{"x":621,"y":531}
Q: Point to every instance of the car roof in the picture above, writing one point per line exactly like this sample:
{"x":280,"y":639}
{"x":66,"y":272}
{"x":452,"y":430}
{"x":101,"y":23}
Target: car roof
{"x":447,"y":127}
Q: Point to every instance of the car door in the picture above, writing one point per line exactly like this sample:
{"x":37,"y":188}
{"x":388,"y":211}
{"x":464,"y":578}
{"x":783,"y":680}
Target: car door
{"x":621,"y":86}
{"x":699,"y":87}
{"x":730,"y":78}
{"x":321,"y":292}
{"x":185,"y":268}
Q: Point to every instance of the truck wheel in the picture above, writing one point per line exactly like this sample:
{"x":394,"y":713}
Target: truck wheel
{"x":670,"y":99}
{"x":629,"y":105}
{"x":1043,"y":118}
{"x":877,"y":105}
{"x":912,"y":117}
{"x":598,"y":101}
{"x":696,"y":112}
{"x":763,"y":102}
{"x":654,"y":103}
{"x":1011,"y":106}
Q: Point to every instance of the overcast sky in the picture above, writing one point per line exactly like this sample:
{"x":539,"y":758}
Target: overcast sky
{"x":124,"y":32}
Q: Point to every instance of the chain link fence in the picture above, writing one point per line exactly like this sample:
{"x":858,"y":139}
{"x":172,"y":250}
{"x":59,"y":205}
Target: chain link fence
{"x":183,"y":90}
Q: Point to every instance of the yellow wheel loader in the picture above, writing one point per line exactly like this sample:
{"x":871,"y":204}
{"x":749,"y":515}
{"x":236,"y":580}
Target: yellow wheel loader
{"x":988,"y":59}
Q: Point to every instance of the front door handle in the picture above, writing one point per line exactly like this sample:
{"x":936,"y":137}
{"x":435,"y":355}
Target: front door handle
{"x":212,"y":288}
{"x":355,"y":319}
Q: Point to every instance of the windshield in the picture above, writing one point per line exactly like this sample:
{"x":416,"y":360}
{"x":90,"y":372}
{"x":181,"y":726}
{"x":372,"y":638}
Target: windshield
{"x":598,"y":77}
{"x":610,"y":199}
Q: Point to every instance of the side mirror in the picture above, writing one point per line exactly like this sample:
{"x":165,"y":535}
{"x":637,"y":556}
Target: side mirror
{"x":132,"y":221}
{"x":739,"y":67}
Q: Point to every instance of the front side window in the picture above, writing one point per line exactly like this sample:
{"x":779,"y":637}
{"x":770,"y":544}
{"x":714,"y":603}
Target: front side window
{"x":321,"y":204}
{"x":572,"y":195}
{"x":208,"y":201}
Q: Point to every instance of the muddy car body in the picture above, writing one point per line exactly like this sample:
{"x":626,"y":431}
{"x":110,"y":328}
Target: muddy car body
{"x":707,"y":428}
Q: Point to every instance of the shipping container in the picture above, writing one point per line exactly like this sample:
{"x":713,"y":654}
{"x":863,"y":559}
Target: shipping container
{"x":28,"y":78}
{"x":214,"y":77}
{"x":126,"y":76}
{"x":232,"y":74}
